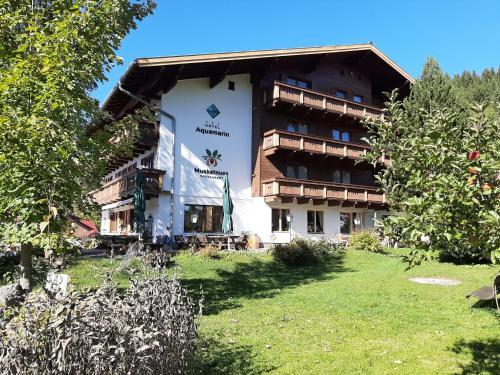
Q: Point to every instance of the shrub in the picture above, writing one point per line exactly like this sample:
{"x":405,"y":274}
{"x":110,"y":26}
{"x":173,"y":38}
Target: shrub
{"x":150,"y":329}
{"x":157,"y":259}
{"x":365,"y":241}
{"x":300,"y":251}
{"x":209,"y":252}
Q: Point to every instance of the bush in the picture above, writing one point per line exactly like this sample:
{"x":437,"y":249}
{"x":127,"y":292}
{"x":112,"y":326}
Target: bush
{"x":209,"y":252}
{"x":365,"y":241}
{"x":150,"y":329}
{"x":301,"y":251}
{"x":157,"y":259}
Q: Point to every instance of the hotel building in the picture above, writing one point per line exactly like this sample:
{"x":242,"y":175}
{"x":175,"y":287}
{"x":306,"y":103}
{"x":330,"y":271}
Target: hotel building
{"x":285,"y":125}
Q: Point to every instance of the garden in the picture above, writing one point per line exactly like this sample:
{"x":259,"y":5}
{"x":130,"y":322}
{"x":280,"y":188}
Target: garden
{"x":352,"y":312}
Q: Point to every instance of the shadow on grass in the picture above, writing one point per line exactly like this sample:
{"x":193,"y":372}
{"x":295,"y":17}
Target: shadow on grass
{"x":214,"y":357}
{"x":485,"y":356}
{"x":258,"y":279}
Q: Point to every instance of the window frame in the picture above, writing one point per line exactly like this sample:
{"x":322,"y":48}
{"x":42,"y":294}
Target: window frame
{"x":361,"y":98}
{"x":308,"y":84}
{"x":343,"y":96}
{"x":296,"y":168}
{"x":315,"y":224}
{"x":216,"y":218}
{"x":282,"y":213}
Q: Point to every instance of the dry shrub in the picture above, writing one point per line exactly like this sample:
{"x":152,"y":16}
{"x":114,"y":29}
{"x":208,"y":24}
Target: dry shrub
{"x":150,"y":329}
{"x":210,"y":252}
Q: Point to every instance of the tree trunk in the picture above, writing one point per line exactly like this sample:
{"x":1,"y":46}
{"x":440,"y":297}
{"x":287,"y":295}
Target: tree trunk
{"x":26,"y":280}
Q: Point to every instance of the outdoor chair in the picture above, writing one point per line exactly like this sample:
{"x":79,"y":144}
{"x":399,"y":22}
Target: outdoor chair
{"x":487,"y":293}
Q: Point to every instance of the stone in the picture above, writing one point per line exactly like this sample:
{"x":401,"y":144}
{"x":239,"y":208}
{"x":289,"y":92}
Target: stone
{"x":57,"y":284}
{"x":10,"y":295}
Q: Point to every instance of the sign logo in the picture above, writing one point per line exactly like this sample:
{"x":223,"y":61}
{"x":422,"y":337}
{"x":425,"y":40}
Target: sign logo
{"x":212,"y":157}
{"x":213,"y":111}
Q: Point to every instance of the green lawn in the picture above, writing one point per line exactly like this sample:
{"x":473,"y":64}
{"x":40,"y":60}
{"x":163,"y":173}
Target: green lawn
{"x":357,"y":314}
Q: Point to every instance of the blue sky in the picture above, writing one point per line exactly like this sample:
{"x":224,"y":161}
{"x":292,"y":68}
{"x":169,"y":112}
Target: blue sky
{"x":461,"y":34}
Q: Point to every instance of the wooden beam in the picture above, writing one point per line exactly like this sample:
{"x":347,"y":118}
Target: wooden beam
{"x":218,"y":77}
{"x":303,"y":200}
{"x":318,"y":202}
{"x":287,"y":200}
{"x":144,"y":89}
{"x":332,"y":203}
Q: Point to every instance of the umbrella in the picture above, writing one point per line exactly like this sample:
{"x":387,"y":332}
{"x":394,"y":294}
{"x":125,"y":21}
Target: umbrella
{"x":139,"y":203}
{"x":227,"y":206}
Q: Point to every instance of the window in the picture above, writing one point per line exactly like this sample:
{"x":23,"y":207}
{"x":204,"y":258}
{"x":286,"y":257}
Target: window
{"x":341,"y":177}
{"x":230,"y":85}
{"x":357,"y":98}
{"x":279,"y":220}
{"x":341,"y":94}
{"x":209,"y":218}
{"x":148,"y":161}
{"x":341,"y":136}
{"x":336,"y":134}
{"x":350,"y":222}
{"x":297,"y":127}
{"x":298,"y":82}
{"x":296,"y":171}
{"x":314,"y":221}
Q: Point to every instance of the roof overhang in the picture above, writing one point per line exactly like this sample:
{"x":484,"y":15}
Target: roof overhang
{"x":145,"y":76}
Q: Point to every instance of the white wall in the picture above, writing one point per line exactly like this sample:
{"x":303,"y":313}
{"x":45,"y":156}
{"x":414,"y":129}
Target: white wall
{"x":188,"y":102}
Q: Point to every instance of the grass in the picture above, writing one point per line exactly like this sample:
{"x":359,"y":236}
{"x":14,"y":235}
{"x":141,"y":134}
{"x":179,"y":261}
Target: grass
{"x":356,"y":314}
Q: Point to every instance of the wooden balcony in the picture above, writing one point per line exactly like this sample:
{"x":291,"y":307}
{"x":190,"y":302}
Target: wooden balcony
{"x":317,"y":192}
{"x":314,"y":100}
{"x":146,"y":139}
{"x":124,"y":187}
{"x":281,"y":139}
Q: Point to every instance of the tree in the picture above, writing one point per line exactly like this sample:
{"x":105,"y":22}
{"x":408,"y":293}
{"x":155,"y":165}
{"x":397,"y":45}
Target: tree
{"x":52,"y":55}
{"x":442,"y":182}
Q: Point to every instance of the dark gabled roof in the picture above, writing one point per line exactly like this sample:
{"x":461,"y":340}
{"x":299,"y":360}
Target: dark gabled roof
{"x":147,"y":76}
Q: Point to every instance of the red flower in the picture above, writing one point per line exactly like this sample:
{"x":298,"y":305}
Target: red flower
{"x":473,"y":155}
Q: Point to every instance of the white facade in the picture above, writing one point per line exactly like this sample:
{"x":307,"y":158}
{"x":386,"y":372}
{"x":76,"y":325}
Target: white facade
{"x":193,"y":179}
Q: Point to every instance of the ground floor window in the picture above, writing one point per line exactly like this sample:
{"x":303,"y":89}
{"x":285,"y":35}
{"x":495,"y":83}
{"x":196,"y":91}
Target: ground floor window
{"x":314,"y":221}
{"x":209,"y":218}
{"x":350,"y":222}
{"x":121,"y":221}
{"x":279,"y":219}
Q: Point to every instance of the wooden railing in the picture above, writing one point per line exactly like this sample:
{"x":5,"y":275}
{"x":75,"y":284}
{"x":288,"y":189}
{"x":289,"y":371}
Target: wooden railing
{"x":285,"y":187}
{"x":124,"y":187}
{"x":317,"y":100}
{"x":314,"y":144}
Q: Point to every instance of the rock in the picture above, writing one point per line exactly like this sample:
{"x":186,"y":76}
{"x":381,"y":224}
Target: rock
{"x":10,"y":295}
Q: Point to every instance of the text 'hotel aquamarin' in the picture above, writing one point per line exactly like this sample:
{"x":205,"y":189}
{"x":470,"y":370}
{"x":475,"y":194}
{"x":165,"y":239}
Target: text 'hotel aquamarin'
{"x":285,"y":125}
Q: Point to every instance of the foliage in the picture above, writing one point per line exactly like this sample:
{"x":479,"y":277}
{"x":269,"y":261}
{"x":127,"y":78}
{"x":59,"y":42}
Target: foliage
{"x":301,"y":251}
{"x":52,"y":55}
{"x":443,"y":178}
{"x":351,"y":314}
{"x":149,"y":330}
{"x":157,"y":259}
{"x":209,"y":252}
{"x":367,"y":241}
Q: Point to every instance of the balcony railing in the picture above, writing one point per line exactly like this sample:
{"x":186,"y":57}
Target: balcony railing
{"x":317,"y":190}
{"x":274,"y":139}
{"x":124,"y":187}
{"x":283,"y":92}
{"x":146,"y":138}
